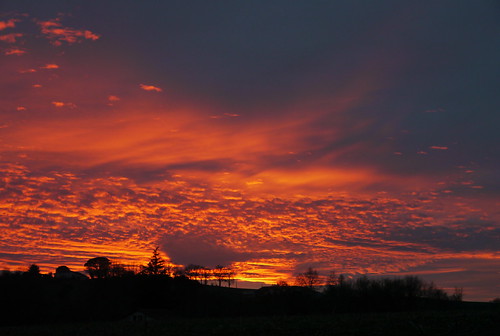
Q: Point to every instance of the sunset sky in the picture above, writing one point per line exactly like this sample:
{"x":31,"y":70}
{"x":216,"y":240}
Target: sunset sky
{"x":270,"y":136}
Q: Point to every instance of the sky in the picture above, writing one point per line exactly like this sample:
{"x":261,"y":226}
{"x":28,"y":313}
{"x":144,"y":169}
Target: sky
{"x":359,"y":137}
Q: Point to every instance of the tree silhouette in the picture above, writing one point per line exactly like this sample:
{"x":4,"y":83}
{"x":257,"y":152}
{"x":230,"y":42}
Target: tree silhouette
{"x":309,"y":278}
{"x":219,"y":274}
{"x":99,"y":267}
{"x":332,"y":279}
{"x":223,"y":274}
{"x":33,"y":271}
{"x":229,"y":275}
{"x":120,"y":270}
{"x":179,"y":272}
{"x":458,"y":294}
{"x":205,"y":274}
{"x":194,"y":272}
{"x":282,"y":283}
{"x":156,"y":265}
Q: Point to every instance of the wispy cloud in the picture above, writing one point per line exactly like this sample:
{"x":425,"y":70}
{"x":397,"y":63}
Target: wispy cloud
{"x":63,"y":104}
{"x":59,"y":34}
{"x":150,"y":88}
{"x":50,"y":66}
{"x":15,"y":51}
{"x":10,"y":38}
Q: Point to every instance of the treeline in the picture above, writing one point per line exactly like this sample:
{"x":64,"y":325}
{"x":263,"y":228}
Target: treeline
{"x":406,"y":287}
{"x":116,"y":291}
{"x":102,"y":267}
{"x":312,"y":294}
{"x":30,"y":298}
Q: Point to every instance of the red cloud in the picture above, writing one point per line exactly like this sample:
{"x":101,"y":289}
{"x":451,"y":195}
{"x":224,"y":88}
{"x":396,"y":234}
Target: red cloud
{"x":50,"y":66}
{"x":10,"y":38}
{"x":439,"y":147}
{"x":150,"y":88}
{"x":58,"y":34}
{"x":27,"y":71}
{"x":63,"y":104}
{"x":8,"y":24}
{"x":14,"y":51}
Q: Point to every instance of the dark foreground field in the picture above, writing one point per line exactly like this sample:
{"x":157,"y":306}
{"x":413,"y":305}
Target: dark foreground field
{"x":469,"y":322}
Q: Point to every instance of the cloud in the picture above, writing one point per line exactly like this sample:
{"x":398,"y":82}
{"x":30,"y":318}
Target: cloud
{"x":201,"y":250}
{"x":58,"y":34}
{"x":113,"y":210}
{"x":10,"y":38}
{"x":150,"y":88}
{"x":63,"y":104}
{"x":8,"y":24}
{"x":439,"y":147}
{"x":27,"y":71}
{"x":477,"y":275}
{"x":15,"y":51}
{"x":50,"y":66}
{"x":231,"y":115}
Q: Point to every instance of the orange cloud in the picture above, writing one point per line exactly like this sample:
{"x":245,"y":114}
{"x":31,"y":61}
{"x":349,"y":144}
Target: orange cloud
{"x":15,"y":51}
{"x":439,"y":147}
{"x":8,"y":24}
{"x":62,"y":104}
{"x":150,"y":88}
{"x":57,"y":33}
{"x":10,"y":38}
{"x":50,"y":66}
{"x":78,"y":216}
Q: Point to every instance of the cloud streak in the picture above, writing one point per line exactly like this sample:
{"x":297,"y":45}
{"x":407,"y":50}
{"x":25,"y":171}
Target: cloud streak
{"x":59,"y":34}
{"x":150,"y":88}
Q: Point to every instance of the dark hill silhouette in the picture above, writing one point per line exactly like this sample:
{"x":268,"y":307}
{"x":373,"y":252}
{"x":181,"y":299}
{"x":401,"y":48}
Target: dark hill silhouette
{"x":116,"y":292}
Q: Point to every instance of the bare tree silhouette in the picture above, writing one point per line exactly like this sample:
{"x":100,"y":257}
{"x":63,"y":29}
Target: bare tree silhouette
{"x":309,"y":278}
